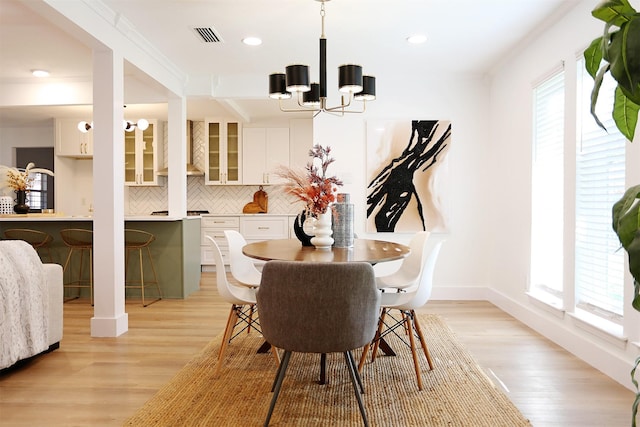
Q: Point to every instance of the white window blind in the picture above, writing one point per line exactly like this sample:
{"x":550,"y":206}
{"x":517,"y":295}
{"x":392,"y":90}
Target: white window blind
{"x":547,"y":187}
{"x":600,"y":181}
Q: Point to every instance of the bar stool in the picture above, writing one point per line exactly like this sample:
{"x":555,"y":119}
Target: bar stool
{"x":137,"y":240}
{"x":78,"y":241}
{"x":38,"y":239}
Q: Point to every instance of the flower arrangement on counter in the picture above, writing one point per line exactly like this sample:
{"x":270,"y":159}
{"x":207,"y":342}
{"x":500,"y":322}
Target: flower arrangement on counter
{"x":312,"y":185}
{"x":16,"y":179}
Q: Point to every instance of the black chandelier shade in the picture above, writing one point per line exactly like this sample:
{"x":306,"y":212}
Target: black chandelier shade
{"x":368,"y":92}
{"x":312,"y":97}
{"x":278,"y":86}
{"x":350,"y":78}
{"x":297,"y":77}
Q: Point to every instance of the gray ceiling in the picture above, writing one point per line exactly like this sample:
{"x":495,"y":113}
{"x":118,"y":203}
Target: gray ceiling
{"x":464,"y":36}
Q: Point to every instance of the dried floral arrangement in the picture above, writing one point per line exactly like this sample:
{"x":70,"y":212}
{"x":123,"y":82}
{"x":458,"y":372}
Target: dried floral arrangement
{"x":16,"y":179}
{"x":311,"y":185}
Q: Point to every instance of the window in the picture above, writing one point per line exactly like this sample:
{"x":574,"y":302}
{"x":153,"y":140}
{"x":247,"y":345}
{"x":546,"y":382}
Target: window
{"x":600,"y":182}
{"x":41,"y":194}
{"x":547,"y":189}
{"x":38,"y":192}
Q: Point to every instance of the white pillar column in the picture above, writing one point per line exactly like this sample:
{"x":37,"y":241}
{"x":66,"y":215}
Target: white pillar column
{"x":109,"y":318}
{"x":177,"y":152}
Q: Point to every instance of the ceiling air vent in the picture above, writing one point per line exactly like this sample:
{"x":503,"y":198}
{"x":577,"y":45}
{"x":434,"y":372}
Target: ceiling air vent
{"x":208,"y":34}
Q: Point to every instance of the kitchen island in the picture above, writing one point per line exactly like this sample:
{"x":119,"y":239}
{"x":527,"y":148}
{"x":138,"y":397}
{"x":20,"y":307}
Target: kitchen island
{"x":176,"y":250}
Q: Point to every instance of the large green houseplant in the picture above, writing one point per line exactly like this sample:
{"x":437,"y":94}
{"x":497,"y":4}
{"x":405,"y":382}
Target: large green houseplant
{"x":617,"y":52}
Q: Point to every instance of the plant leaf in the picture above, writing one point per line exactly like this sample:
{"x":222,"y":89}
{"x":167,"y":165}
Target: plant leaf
{"x":624,"y":215}
{"x":634,"y":96}
{"x":606,"y":41}
{"x":593,"y":57}
{"x":595,"y":91}
{"x":631,"y":50}
{"x":633,"y":250}
{"x":615,"y":12}
{"x":616,"y":58}
{"x":625,"y":114}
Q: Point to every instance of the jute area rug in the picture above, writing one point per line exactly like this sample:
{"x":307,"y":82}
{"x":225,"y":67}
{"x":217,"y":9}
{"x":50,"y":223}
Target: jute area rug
{"x":456,"y":393}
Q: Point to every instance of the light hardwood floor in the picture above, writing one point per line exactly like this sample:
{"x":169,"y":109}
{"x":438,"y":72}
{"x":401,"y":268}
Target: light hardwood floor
{"x":102,"y":381}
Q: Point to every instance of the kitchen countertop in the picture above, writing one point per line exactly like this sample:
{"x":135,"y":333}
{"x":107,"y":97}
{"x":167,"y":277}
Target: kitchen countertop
{"x":62,"y":217}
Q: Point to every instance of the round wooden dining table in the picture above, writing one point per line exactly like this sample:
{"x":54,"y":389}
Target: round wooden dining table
{"x":363,"y":250}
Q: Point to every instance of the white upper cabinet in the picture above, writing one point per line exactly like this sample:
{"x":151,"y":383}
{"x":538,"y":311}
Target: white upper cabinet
{"x":70,"y":142}
{"x":223,"y":152}
{"x":264,"y":150}
{"x":142,"y":156}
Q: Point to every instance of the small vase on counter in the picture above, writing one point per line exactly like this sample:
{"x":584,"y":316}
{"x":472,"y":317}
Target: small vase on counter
{"x":322,"y":229}
{"x":21,"y":206}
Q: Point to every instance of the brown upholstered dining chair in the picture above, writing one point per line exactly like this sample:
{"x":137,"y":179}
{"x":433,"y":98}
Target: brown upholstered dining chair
{"x":320,"y":308}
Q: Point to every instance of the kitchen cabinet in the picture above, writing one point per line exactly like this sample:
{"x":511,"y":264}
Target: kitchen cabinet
{"x":223,"y":152}
{"x":264,"y":150}
{"x":70,"y":142}
{"x":142,"y":156}
{"x":253,"y":227}
{"x":214,"y":226}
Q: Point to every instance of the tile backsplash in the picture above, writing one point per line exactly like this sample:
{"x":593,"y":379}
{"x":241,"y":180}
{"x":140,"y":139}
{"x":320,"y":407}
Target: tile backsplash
{"x":214,"y":198}
{"x":228,"y":199}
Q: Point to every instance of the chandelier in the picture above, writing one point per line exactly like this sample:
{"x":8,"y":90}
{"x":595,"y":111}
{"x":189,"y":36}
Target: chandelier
{"x":313,"y":96}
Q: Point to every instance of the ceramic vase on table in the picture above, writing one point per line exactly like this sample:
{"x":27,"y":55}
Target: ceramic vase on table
{"x":322,"y":229}
{"x":343,"y":222}
{"x":21,"y":206}
{"x":298,"y":229}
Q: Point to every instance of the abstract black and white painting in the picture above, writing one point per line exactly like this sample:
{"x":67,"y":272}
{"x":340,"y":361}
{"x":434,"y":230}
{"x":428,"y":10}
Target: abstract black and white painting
{"x":407,"y":171}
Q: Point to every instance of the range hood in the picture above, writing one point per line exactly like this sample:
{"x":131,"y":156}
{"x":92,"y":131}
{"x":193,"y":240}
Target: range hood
{"x":192,"y":170}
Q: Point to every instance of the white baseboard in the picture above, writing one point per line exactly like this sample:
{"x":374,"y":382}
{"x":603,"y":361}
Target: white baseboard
{"x":562,"y":331}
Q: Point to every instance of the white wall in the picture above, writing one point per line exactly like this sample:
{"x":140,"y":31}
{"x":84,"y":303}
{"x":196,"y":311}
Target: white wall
{"x":12,"y":137}
{"x":509,"y":200}
{"x":462,"y":99}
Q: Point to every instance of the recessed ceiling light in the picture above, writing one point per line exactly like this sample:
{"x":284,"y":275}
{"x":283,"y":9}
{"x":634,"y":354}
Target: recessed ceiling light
{"x":252,"y":41}
{"x":40,"y":73}
{"x":417,"y":39}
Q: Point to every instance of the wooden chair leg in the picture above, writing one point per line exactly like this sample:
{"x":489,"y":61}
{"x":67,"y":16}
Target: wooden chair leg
{"x":233,"y":316}
{"x":376,"y":338}
{"x":423,"y":342}
{"x":413,"y":353}
{"x":274,"y":350}
{"x":365,"y":351}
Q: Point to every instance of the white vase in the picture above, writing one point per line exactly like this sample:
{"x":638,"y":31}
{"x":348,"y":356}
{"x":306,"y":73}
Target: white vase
{"x":322,"y":229}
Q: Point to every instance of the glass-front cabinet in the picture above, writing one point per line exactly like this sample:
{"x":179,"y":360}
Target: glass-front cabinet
{"x":141,"y":154}
{"x":223,"y":152}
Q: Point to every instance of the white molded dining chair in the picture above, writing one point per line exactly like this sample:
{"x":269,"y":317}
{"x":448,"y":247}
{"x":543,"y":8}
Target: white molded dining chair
{"x":240,"y":298}
{"x":408,"y":273}
{"x":406,"y":303}
{"x":242,"y":267}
